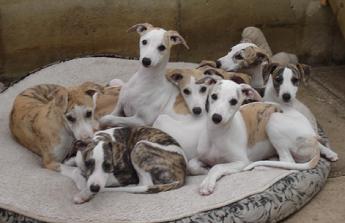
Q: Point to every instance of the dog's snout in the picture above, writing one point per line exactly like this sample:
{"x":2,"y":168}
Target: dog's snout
{"x":286,"y":97}
{"x":196,"y":110}
{"x":146,"y":61}
{"x":216,"y":118}
{"x":218,"y":64}
{"x":94,"y":188}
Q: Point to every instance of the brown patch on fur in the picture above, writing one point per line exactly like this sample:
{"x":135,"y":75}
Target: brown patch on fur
{"x":43,"y":105}
{"x":252,"y":56}
{"x":256,"y":116}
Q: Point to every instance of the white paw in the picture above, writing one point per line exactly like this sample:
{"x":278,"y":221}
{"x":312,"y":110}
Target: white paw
{"x":116,"y":83}
{"x":332,"y":156}
{"x":80,"y":181}
{"x":207,"y":186}
{"x":81,"y":197}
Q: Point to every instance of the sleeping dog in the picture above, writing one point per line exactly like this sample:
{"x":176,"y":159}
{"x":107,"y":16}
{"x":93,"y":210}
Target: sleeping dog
{"x":118,"y":157}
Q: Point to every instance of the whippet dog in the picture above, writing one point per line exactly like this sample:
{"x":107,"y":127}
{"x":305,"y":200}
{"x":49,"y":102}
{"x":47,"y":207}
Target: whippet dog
{"x":247,"y":58}
{"x":282,"y":86}
{"x":148,"y":93}
{"x":235,"y":136}
{"x":145,"y":157}
{"x":69,"y":113}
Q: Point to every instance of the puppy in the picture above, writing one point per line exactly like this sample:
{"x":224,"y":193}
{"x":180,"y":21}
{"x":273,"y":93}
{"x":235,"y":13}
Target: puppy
{"x":282,"y":86}
{"x":118,"y":157}
{"x":236,"y":135}
{"x":148,"y":93}
{"x":47,"y":118}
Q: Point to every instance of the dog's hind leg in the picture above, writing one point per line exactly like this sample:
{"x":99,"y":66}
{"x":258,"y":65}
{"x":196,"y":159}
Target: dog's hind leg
{"x":328,"y":153}
{"x":196,"y":167}
{"x":216,"y":172}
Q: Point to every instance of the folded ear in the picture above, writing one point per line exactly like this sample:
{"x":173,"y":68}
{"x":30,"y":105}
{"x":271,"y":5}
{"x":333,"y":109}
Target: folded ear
{"x":209,"y":80}
{"x":268,"y":69}
{"x":175,"y":38}
{"x":209,"y":63}
{"x":174,"y":76}
{"x":141,"y":28}
{"x":304,"y":70}
{"x":214,"y":72}
{"x":61,"y":98}
{"x":250,"y":93}
{"x":261,"y":55}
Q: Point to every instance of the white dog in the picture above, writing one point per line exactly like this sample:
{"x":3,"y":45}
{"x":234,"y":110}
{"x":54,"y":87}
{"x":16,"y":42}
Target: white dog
{"x":148,"y":93}
{"x":235,"y":136}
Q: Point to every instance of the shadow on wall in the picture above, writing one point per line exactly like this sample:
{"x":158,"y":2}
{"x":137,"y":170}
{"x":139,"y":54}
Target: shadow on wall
{"x":38,"y":32}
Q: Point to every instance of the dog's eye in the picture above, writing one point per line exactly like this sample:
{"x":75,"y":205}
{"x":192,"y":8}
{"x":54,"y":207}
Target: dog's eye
{"x":214,"y":96}
{"x":89,"y":163}
{"x":233,"y":101}
{"x":144,"y":42}
{"x":88,"y":114}
{"x":238,"y":56}
{"x":203,"y":89}
{"x":161,"y":48}
{"x":294,"y":80}
{"x":70,"y":118}
{"x":186,"y":92}
{"x":106,"y":167}
{"x":278,"y":80}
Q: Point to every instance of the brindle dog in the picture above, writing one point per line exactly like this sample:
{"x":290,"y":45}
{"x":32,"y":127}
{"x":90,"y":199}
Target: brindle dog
{"x":118,"y":157}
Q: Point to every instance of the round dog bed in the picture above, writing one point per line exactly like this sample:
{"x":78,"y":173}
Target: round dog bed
{"x":30,"y":193}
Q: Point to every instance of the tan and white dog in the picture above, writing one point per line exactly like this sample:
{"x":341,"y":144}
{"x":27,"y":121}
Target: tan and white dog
{"x":47,"y":118}
{"x":235,"y":136}
{"x":148,"y":93}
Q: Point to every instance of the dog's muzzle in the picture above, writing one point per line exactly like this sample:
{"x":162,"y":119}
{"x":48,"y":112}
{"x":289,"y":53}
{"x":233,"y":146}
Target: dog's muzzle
{"x":94,"y":188}
{"x":146,"y":61}
{"x":197,"y":111}
{"x":218,"y":64}
{"x":286,"y":97}
{"x":216,"y":118}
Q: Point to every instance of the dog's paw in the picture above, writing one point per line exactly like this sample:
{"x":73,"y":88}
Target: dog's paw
{"x":332,"y":156}
{"x":81,"y":197}
{"x":116,"y":83}
{"x":207,"y":187}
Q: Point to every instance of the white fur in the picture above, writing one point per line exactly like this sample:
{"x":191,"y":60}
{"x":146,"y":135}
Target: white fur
{"x":223,"y":145}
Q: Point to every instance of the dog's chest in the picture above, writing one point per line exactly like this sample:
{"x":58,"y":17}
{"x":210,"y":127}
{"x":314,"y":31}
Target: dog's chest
{"x":256,"y":116}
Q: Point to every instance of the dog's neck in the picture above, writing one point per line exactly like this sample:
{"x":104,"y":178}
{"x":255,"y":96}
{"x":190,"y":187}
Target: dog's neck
{"x":154,"y":74}
{"x":256,"y":73}
{"x":224,"y":129}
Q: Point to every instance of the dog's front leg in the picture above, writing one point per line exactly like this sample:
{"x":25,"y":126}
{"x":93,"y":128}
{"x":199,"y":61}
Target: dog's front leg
{"x":75,"y":174}
{"x":196,"y":167}
{"x":216,"y":172}
{"x":112,"y":121}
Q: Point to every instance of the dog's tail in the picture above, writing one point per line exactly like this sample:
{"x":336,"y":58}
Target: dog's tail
{"x":164,"y":187}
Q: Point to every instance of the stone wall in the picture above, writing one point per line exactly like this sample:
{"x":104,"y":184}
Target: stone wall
{"x":34,"y":33}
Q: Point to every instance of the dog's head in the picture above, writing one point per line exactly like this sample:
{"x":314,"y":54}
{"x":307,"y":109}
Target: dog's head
{"x":98,"y":158}
{"x":242,"y":56}
{"x":225,"y":98}
{"x":286,"y":79}
{"x":155,"y":43}
{"x":193,"y":91}
{"x":78,"y":105}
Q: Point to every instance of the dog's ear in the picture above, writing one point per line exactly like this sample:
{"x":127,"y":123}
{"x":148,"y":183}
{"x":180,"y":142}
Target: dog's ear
{"x":304,"y":71}
{"x":141,"y":28}
{"x":174,"y":76}
{"x":213,"y":72}
{"x":267,"y":70}
{"x":209,"y":80}
{"x":61,"y":98}
{"x":80,"y":145}
{"x":175,"y":38}
{"x":208,"y":63}
{"x":250,"y":93}
{"x":261,"y":55}
{"x":90,"y":92}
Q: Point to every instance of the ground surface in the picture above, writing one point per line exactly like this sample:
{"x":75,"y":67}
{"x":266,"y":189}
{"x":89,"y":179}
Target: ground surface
{"x":325,"y":96}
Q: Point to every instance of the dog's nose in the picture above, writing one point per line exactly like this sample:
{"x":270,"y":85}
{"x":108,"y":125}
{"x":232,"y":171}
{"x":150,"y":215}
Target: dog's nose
{"x":218,"y":64}
{"x":94,"y":188}
{"x":146,"y":61}
{"x":286,"y":97}
{"x":216,"y":118}
{"x":197,"y":110}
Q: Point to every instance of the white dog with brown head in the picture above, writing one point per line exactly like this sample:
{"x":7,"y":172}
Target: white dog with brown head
{"x":148,"y":93}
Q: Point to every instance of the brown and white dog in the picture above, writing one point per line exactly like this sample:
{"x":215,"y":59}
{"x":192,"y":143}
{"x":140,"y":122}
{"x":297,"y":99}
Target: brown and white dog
{"x":118,"y":157}
{"x":47,"y":118}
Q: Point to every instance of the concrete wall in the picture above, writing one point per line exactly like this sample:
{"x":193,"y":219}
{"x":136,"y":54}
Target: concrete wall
{"x":37,"y":32}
